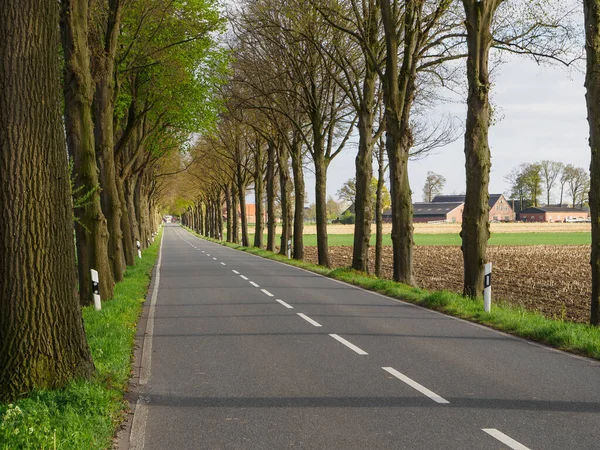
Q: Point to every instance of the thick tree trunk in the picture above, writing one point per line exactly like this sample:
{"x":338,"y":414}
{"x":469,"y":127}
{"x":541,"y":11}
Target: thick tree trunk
{"x":236,"y":223}
{"x":130,"y":184}
{"x":42,"y":341}
{"x":475,"y":226}
{"x":259,"y":225}
{"x":128,"y":244}
{"x":299,"y":187}
{"x":379,"y":212}
{"x":229,"y":212}
{"x":286,"y":199}
{"x":271,"y":220}
{"x":90,"y":228}
{"x":592,"y":84}
{"x":364,"y":173}
{"x":241,"y":190}
{"x":321,"y":207}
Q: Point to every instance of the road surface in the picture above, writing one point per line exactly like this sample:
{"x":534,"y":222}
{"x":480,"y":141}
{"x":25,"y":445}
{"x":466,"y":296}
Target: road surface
{"x":242,"y":352}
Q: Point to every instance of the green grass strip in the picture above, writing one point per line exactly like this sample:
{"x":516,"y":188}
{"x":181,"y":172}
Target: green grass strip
{"x":576,"y":338}
{"x":86,"y":414}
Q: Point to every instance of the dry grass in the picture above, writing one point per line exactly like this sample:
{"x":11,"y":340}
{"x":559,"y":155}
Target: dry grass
{"x":454,"y":228}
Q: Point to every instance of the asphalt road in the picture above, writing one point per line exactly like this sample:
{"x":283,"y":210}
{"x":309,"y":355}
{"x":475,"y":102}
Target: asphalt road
{"x":246,"y":353}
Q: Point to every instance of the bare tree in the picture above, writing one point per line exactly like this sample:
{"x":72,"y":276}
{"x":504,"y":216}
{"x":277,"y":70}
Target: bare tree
{"x":550,"y":171}
{"x":434,"y":185}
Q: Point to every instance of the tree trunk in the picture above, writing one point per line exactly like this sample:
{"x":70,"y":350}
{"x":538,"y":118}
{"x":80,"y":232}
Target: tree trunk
{"x":475,"y":226}
{"x":286,"y":201}
{"x":236,"y":233}
{"x":258,"y":195}
{"x":42,"y":340}
{"x":299,"y":188}
{"x":379,"y":211}
{"x":130,"y":184}
{"x":364,"y":173}
{"x":90,"y":228}
{"x":271,"y":220}
{"x":229,"y":212}
{"x":592,"y":84}
{"x":241,"y":190}
{"x":321,"y":206}
{"x":128,"y":244}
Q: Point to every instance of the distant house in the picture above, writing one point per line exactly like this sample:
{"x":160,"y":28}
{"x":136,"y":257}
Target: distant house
{"x":250,"y":213}
{"x":438,"y":212}
{"x":551,"y":214}
{"x":500,"y":208}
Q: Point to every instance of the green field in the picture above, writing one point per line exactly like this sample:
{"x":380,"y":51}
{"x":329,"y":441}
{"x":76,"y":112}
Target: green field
{"x":576,"y":238}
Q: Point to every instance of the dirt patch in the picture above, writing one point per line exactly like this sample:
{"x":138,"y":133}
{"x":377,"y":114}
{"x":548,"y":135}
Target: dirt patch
{"x":554,"y":281}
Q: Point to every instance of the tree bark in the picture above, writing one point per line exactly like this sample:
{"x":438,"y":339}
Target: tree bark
{"x":286,"y":203}
{"x":128,"y":246}
{"x":271,"y":220}
{"x":475,"y":226}
{"x":379,"y":211}
{"x":229,"y":212}
{"x":364,"y":173}
{"x":90,"y":228}
{"x":42,"y":340}
{"x":236,"y":232}
{"x":130,"y":184}
{"x":299,"y":187}
{"x":241,"y":190}
{"x":258,"y":195}
{"x":592,"y":84}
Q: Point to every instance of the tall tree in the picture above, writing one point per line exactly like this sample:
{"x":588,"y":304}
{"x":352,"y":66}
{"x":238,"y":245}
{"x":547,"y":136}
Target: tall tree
{"x":550,"y":171}
{"x":577,"y":179}
{"x":42,"y":341}
{"x":592,"y":83}
{"x":91,"y":227}
{"x":434,"y":185}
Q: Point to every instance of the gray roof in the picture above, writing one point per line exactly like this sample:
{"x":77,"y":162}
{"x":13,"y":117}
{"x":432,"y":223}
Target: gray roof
{"x":551,"y":208}
{"x":461,"y":198}
{"x":434,"y":209}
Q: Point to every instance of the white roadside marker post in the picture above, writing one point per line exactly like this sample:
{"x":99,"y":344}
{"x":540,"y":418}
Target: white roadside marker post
{"x":289,"y":249}
{"x":96,"y":290}
{"x":139,"y":246}
{"x":487,"y":288}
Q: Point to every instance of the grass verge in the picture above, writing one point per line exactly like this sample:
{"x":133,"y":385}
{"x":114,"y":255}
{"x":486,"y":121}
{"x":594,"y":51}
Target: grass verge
{"x":576,"y":338}
{"x":85,"y":414}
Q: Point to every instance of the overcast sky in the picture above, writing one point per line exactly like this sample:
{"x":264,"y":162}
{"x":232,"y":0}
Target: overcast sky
{"x":542,"y":116}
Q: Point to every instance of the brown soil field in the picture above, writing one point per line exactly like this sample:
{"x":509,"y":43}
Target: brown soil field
{"x":554,"y":281}
{"x":454,"y":228}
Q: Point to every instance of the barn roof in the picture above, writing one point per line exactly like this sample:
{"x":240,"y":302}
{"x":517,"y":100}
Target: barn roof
{"x":461,"y":198}
{"x":562,"y":209}
{"x":434,"y":209}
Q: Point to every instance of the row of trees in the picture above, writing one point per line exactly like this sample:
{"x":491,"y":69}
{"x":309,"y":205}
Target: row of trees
{"x":532,"y":183}
{"x":139,"y":76}
{"x":308,"y":75}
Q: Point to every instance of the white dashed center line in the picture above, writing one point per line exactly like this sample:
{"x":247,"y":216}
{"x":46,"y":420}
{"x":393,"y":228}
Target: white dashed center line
{"x":309,"y":320}
{"x":422,"y":389}
{"x":208,"y":254}
{"x":267,"y":293}
{"x":348,"y":344}
{"x":285,"y":304}
{"x":510,"y":442}
{"x":223,"y":264}
{"x":254,"y":284}
{"x":214,"y":258}
{"x":236,"y":272}
{"x":244,"y":278}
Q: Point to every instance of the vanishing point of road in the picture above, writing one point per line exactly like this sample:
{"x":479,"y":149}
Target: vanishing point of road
{"x":241,"y":352}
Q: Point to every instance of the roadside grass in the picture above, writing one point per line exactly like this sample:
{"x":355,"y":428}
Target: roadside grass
{"x":567,"y":238}
{"x":576,"y":338}
{"x":86,"y":414}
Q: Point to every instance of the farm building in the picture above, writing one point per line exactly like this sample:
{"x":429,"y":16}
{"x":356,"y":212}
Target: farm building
{"x":500,"y":209}
{"x":438,"y":212}
{"x":551,"y":214}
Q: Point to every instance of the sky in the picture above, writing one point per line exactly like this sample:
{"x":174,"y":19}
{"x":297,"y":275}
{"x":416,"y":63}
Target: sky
{"x":542,"y":115}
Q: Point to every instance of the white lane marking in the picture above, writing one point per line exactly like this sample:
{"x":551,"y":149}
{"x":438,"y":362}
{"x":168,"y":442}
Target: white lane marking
{"x":505,"y":439}
{"x":236,"y":272}
{"x":422,"y":389}
{"x":267,"y":293}
{"x":254,"y":284}
{"x":137,"y":436}
{"x":146,"y":368}
{"x":244,"y":278}
{"x":223,"y":264}
{"x":203,"y":251}
{"x":208,"y":254}
{"x":349,"y":344}
{"x":309,"y":320}
{"x":285,"y":304}
{"x":214,"y":258}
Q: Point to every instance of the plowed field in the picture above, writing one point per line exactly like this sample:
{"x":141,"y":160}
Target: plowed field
{"x":552,"y":280}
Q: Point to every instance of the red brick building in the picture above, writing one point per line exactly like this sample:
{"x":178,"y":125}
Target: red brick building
{"x":500,"y":209}
{"x":438,"y":212}
{"x":552,"y":214}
